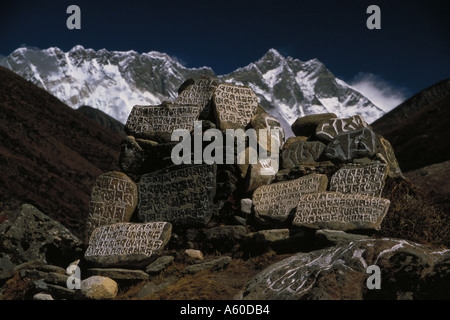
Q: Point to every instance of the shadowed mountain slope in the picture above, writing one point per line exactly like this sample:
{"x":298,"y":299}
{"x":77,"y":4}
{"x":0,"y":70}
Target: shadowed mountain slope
{"x":50,"y":154}
{"x":418,"y":129}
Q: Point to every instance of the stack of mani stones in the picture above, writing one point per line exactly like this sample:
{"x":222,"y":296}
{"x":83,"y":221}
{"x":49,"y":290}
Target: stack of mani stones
{"x":132,"y":213}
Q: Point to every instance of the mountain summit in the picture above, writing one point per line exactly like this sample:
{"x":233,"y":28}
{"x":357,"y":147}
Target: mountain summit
{"x":115,"y":81}
{"x":289,"y":88}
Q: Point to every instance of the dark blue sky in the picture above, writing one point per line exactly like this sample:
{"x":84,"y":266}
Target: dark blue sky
{"x":410,"y":52}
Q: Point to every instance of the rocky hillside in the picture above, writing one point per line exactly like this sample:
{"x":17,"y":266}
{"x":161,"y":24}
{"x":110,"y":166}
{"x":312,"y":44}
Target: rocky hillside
{"x":332,"y":218}
{"x":103,"y":119}
{"x":50,"y":153}
{"x":114,"y":82}
{"x":416,"y":129}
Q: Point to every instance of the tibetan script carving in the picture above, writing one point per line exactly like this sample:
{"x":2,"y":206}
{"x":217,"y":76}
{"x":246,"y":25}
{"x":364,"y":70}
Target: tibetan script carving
{"x":278,"y":199}
{"x":182,"y":195}
{"x":234,"y":105}
{"x":127,"y":243}
{"x":328,"y":130}
{"x":198,"y":94}
{"x":158,"y":122}
{"x":386,"y":150}
{"x":340,"y":211}
{"x":301,"y":152}
{"x":351,"y":145}
{"x":368,"y":179}
{"x":113,"y":199}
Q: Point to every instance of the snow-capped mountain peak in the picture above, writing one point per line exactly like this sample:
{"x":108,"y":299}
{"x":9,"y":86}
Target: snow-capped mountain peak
{"x":115,"y":81}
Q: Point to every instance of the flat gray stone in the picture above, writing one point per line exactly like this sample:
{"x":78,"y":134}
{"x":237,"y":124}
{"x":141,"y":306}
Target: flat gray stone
{"x":213,"y":265}
{"x":151,"y":287}
{"x":118,"y":274}
{"x":60,"y":292}
{"x":52,"y":268}
{"x":42,"y":296}
{"x":159,"y":265}
{"x":280,"y":240}
{"x":327,"y":238}
{"x":56,"y":279}
{"x":198,"y":93}
{"x":246,"y":205}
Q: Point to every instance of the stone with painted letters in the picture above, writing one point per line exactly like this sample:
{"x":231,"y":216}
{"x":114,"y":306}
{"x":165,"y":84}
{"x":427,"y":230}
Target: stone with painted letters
{"x":351,"y":145}
{"x":330,"y":129}
{"x":180,"y":194}
{"x":301,"y":152}
{"x":234,"y":106}
{"x":277,"y":200}
{"x":127,"y":244}
{"x":158,"y":122}
{"x":264,"y":121}
{"x":199,"y":93}
{"x":384,"y":148}
{"x":367,"y":179}
{"x":113,"y":199}
{"x":340,"y":211}
{"x":307,"y":125}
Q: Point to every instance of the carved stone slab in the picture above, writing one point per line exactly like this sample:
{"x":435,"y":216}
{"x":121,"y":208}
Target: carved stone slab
{"x":158,"y":122}
{"x":301,"y":152}
{"x":368,"y":179}
{"x":127,"y":244}
{"x":263,"y":120}
{"x":181,"y":195}
{"x":259,"y":174}
{"x":328,"y":130}
{"x":307,"y":125}
{"x":277,"y":200}
{"x":234,"y":106}
{"x":351,"y":145}
{"x":340,"y":211}
{"x":113,"y":199}
{"x":387,"y":152}
{"x":198,"y":94}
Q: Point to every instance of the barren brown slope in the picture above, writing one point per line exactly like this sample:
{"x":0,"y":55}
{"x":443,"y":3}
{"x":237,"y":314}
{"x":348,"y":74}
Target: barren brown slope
{"x":419,"y":128}
{"x":50,"y":154}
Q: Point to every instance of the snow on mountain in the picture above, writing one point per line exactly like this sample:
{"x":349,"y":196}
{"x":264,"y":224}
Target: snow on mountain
{"x":289,"y":88}
{"x":115,"y":81}
{"x":111,"y":81}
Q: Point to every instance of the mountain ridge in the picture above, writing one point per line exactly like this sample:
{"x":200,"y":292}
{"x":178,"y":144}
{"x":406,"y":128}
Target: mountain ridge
{"x":115,"y":81}
{"x":417,"y":128}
